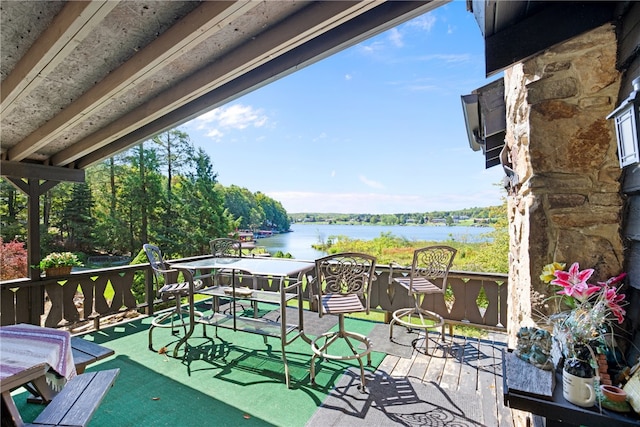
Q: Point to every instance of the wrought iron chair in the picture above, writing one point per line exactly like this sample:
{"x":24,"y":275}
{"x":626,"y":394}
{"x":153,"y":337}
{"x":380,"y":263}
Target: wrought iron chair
{"x":169,"y":288}
{"x":342,"y":285}
{"x":225,"y":247}
{"x":429,"y":272}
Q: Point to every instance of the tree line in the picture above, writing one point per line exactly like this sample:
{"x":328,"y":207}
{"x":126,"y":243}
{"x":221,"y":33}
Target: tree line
{"x":487,"y":215}
{"x":163,"y":191}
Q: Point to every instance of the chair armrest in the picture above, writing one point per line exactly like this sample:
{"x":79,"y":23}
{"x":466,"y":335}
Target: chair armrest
{"x":311,"y":280}
{"x":163,"y":271}
{"x":391,"y":265}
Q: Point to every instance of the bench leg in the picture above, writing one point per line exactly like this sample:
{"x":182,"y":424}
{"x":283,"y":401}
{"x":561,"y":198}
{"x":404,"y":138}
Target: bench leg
{"x":41,"y":392}
{"x":10,"y":412}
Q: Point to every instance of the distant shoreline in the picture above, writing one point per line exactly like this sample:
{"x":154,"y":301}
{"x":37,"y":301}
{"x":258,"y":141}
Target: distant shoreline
{"x":428,"y":224}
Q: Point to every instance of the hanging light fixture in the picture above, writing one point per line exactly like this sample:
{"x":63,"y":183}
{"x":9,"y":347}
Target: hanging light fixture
{"x":627,"y":130}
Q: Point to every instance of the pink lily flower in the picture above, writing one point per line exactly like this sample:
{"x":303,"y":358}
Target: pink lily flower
{"x":613,"y":300}
{"x":575,"y":283}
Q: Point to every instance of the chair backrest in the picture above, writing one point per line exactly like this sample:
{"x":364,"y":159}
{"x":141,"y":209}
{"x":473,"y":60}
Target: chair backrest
{"x":346,"y":273}
{"x":160,"y":268}
{"x":432,"y":262}
{"x":226,"y":247}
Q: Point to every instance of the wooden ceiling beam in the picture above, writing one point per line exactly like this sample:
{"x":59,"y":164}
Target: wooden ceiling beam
{"x":75,"y":21}
{"x":209,"y":18}
{"x":36,"y":171}
{"x":303,"y":26}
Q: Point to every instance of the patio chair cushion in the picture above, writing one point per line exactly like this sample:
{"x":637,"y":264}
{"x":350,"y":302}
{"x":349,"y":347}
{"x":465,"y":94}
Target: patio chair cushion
{"x":336,"y":304}
{"x":421,"y":285}
{"x":181,"y":288}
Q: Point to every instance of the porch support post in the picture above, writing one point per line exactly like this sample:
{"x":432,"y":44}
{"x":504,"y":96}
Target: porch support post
{"x":33,"y":189}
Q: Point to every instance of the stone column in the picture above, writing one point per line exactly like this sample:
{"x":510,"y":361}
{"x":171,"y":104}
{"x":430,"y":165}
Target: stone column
{"x":566,"y":206}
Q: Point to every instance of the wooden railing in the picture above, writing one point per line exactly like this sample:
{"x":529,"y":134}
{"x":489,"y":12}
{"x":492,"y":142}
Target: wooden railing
{"x":474,"y":299}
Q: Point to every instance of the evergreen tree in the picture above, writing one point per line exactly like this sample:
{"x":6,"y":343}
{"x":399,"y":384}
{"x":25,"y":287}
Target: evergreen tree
{"x":78,"y":220}
{"x":175,"y":155}
{"x":13,"y":212}
{"x":142,"y":196}
{"x":111,"y":231}
{"x":203,"y":215}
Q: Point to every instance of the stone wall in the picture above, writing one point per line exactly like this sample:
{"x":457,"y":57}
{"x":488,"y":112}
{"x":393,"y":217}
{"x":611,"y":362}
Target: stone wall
{"x":567,"y":205}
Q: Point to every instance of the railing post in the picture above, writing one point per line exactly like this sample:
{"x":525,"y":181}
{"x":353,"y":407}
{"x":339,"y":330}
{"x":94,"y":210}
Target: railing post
{"x":36,"y":304}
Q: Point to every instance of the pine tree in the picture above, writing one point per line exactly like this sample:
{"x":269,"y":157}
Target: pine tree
{"x":78,"y":219}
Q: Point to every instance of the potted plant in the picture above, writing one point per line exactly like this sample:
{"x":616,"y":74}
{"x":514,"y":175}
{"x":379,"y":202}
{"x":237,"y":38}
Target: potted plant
{"x":59,"y":263}
{"x":586,"y":329}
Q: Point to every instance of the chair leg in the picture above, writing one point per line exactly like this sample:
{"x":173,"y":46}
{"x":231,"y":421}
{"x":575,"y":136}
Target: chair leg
{"x":177,"y":311}
{"x":329,"y":338}
{"x":424,"y":316}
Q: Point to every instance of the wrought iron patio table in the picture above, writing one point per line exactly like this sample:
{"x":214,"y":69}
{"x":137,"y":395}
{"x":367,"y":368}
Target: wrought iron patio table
{"x":288,"y":273}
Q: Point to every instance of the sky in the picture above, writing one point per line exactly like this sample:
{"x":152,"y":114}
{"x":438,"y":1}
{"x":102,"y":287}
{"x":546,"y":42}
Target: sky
{"x":377,"y":128}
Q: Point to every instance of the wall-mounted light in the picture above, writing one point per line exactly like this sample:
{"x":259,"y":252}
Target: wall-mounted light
{"x":627,"y":130}
{"x":485,"y":116}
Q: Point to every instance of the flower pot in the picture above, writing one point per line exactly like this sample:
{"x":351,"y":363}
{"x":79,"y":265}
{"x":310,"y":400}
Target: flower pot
{"x":58,"y":271}
{"x":613,"y":393}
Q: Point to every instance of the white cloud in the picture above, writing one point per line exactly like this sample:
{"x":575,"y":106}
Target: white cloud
{"x":374,"y":203}
{"x":348,"y":76}
{"x":396,"y":37}
{"x":370,"y":183}
{"x":424,"y":22}
{"x":372,"y":48}
{"x":447,"y":58}
{"x":215,"y":134}
{"x":423,"y":88}
{"x":322,"y":135}
{"x":233,"y":117}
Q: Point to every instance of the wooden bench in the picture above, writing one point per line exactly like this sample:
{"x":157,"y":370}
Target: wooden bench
{"x":78,"y":400}
{"x":86,"y":352}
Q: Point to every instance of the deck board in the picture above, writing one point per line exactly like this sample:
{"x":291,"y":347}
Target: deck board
{"x":487,"y":383}
{"x":469,"y":370}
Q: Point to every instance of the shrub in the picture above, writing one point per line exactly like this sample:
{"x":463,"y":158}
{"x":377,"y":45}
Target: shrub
{"x":13,"y":260}
{"x":138,"y":288}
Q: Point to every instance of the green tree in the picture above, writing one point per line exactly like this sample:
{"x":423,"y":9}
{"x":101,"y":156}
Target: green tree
{"x":111,"y":228}
{"x":77,"y":219}
{"x":141,"y":193}
{"x":53,"y":229}
{"x":243,"y":206}
{"x":275,"y":216}
{"x":13,"y":212}
{"x":175,"y":155}
{"x":203,"y":214}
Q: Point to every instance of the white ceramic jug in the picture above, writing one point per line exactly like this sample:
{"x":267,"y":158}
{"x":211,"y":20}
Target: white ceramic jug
{"x":577,"y":390}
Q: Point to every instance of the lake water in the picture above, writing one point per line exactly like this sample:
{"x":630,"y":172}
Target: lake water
{"x":298,"y":242}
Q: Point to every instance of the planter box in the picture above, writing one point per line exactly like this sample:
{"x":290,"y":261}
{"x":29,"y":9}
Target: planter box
{"x":58,"y":271}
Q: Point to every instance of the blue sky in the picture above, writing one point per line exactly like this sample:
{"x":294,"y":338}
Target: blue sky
{"x":377,"y":128}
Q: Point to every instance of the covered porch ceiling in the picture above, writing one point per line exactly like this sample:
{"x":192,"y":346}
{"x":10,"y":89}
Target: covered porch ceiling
{"x":84,"y":80}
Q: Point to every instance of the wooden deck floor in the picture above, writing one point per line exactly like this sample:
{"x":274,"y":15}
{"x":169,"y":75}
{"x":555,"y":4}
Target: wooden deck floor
{"x":467,"y":370}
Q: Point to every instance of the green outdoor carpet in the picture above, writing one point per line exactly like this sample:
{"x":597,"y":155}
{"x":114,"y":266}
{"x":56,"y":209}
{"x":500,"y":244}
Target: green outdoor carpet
{"x":232,"y":380}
